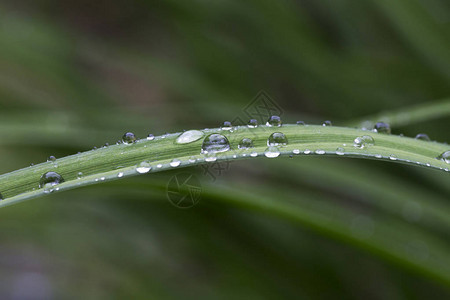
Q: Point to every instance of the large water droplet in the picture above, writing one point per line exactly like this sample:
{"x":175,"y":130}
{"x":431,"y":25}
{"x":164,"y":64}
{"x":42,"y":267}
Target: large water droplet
{"x":129,"y":138}
{"x":189,"y":137}
{"x":445,"y":157}
{"x":245,"y":143}
{"x":227,"y":125}
{"x":382,"y":127}
{"x":277,"y":139}
{"x":327,"y":123}
{"x":215,"y":143}
{"x":272,"y":152}
{"x":50,"y":179}
{"x":423,"y":137}
{"x":274,"y":121}
{"x":175,"y":162}
{"x":143,"y":167}
{"x":252,"y":123}
{"x":364,"y":141}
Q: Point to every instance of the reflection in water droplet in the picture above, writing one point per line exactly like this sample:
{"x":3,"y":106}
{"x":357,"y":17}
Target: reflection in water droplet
{"x":215,"y":143}
{"x":143,"y":167}
{"x":364,"y":141}
{"x":382,"y":127}
{"x":423,"y":137}
{"x":189,"y":137}
{"x":445,"y":157}
{"x":277,"y":139}
{"x":274,"y":121}
{"x":50,"y":179}
{"x":129,"y":138}
{"x":80,"y":175}
{"x":245,"y":143}
{"x":175,"y":162}
{"x":272,"y":152}
{"x":252,"y":123}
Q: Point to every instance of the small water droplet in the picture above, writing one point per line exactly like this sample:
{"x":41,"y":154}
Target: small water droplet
{"x":226,"y":125}
{"x":300,"y":123}
{"x":378,"y":156}
{"x":189,"y":137}
{"x":326,"y":123}
{"x":254,"y":154}
{"x":150,"y":137}
{"x":277,"y":139}
{"x":340,"y":151}
{"x":159,"y":166}
{"x":102,"y":178}
{"x":252,"y":123}
{"x":320,"y":151}
{"x":210,"y":157}
{"x":215,"y":143}
{"x":120,"y":175}
{"x":175,"y":162}
{"x":307,"y":151}
{"x":129,"y":138}
{"x":143,"y":167}
{"x":272,"y":152}
{"x":423,"y":137}
{"x":51,"y":158}
{"x":80,"y":175}
{"x":445,"y":157}
{"x":364,"y":141}
{"x":274,"y":121}
{"x":50,"y":179}
{"x":382,"y":127}
{"x":245,"y":143}
{"x":392,"y":157}
{"x":192,"y":159}
{"x":296,"y":151}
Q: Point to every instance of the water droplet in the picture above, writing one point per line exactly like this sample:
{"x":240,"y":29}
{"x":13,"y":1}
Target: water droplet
{"x":102,"y":178}
{"x":277,"y":139}
{"x":254,"y":154}
{"x":51,"y":158}
{"x":272,"y":152}
{"x":378,"y":156}
{"x":150,"y":137}
{"x":364,"y":141}
{"x":210,"y":157}
{"x":215,"y":143}
{"x":423,"y":137}
{"x":382,"y":127}
{"x":1,"y":197}
{"x":143,"y":167}
{"x":175,"y":162}
{"x":392,"y":157}
{"x":252,"y":123}
{"x":320,"y":151}
{"x":245,"y":143}
{"x":307,"y":151}
{"x":227,"y":125}
{"x":50,"y":179}
{"x":80,"y":175}
{"x":120,"y":175}
{"x":159,"y":166}
{"x":296,"y":151}
{"x":192,"y":159}
{"x":300,"y":123}
{"x":129,"y":138}
{"x":274,"y":121}
{"x":326,"y":123}
{"x":189,"y":137}
{"x":340,"y":151}
{"x":445,"y":157}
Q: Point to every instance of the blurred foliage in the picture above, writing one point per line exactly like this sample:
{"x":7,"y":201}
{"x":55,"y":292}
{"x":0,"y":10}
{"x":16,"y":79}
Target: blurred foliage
{"x":77,"y":74}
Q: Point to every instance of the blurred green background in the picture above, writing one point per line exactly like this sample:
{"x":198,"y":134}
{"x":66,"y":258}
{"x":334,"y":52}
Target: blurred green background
{"x":77,"y":74}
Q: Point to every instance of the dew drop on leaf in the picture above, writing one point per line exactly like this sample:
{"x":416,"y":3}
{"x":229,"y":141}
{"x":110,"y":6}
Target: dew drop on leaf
{"x":320,"y":151}
{"x":326,"y":123}
{"x":50,"y":179}
{"x":254,"y":154}
{"x":245,"y":143}
{"x":129,"y":138}
{"x":189,"y":137}
{"x":445,"y":157}
{"x":226,"y":125}
{"x":215,"y":143}
{"x":382,"y":127}
{"x":175,"y":162}
{"x":143,"y":167}
{"x":274,"y":121}
{"x":340,"y":151}
{"x":364,"y":141}
{"x":272,"y":152}
{"x":150,"y":137}
{"x":252,"y":123}
{"x":277,"y":139}
{"x":51,"y":158}
{"x":423,"y":137}
{"x":80,"y":175}
{"x":300,"y":123}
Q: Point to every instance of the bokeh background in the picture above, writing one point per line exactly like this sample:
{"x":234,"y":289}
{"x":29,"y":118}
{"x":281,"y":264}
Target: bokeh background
{"x":76,"y":74}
